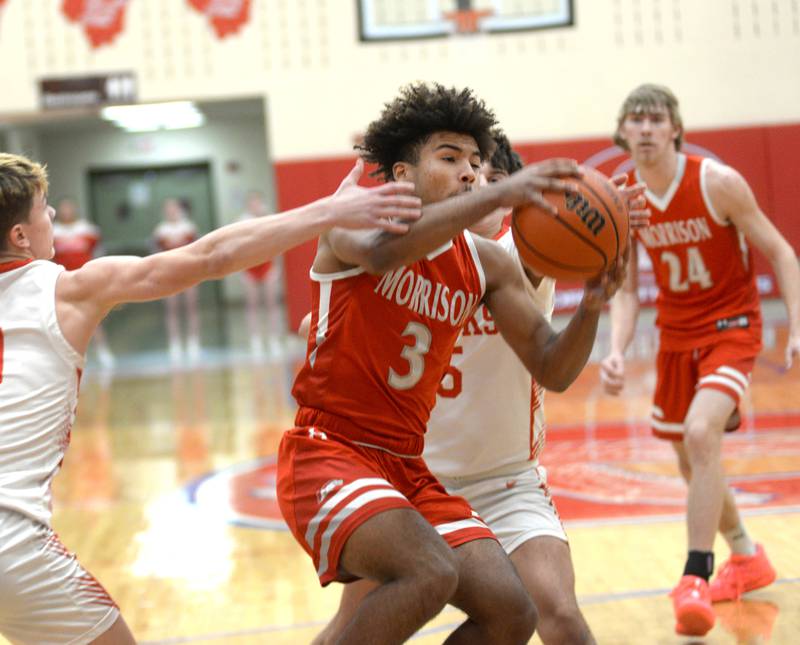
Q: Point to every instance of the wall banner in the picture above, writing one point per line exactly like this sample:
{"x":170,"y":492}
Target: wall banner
{"x":102,"y":20}
{"x":227,"y":17}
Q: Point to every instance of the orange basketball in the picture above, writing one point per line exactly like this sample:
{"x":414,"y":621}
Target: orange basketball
{"x":589,"y":233}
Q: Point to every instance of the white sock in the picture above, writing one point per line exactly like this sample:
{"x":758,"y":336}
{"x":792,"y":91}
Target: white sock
{"x":739,"y":541}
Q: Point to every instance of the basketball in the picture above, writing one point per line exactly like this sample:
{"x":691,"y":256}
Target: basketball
{"x":587,"y":235}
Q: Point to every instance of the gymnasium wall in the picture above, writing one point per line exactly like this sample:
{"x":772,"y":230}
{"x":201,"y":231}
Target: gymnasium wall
{"x":75,"y":152}
{"x":733,"y":62}
{"x":227,"y":144}
{"x":768,"y":157}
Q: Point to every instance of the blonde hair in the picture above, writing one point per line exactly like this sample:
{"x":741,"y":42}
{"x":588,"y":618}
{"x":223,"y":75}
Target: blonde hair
{"x":20,"y":181}
{"x":649,"y":98}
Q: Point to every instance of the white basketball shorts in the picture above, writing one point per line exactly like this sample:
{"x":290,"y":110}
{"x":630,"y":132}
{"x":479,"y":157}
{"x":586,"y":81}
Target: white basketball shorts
{"x":46,"y":596}
{"x":517,"y":507}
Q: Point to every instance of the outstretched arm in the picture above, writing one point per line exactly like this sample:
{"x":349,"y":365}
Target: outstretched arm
{"x":733,"y":200}
{"x":553,"y":358}
{"x":379,"y":252}
{"x":86,"y":295}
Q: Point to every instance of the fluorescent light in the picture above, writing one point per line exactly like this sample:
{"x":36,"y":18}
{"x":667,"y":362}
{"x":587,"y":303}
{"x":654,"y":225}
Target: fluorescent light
{"x":174,"y":115}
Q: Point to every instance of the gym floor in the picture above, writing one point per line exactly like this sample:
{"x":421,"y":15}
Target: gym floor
{"x":167,"y":496}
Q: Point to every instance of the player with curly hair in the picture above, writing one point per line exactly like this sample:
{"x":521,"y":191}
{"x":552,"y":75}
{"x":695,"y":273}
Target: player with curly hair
{"x":386,"y":313}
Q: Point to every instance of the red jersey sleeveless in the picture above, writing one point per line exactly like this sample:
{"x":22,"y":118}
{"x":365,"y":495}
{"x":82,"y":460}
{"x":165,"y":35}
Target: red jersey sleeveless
{"x":702,"y":264}
{"x":379,"y":345}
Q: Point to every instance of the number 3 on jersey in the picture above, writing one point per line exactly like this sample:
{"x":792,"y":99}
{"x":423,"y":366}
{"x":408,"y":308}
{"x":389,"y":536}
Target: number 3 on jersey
{"x":414,"y":355}
{"x":696,"y":271}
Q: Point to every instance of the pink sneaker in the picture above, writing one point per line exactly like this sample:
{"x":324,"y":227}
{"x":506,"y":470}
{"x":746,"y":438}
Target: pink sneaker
{"x":740,"y":574}
{"x":691,"y":600}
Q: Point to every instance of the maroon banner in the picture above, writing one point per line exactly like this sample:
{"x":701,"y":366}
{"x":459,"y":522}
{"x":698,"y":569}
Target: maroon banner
{"x":226,"y":16}
{"x":102,"y":20}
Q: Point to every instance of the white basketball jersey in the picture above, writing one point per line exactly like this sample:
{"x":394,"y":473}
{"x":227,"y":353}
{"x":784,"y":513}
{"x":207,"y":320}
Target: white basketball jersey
{"x":39,"y":379}
{"x":488,"y":416}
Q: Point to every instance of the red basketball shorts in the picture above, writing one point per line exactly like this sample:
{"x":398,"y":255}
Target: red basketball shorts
{"x":724,"y":366}
{"x":329,"y":486}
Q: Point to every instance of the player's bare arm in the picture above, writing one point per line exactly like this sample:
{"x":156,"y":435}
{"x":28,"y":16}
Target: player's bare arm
{"x":624,"y":312}
{"x":553,"y":358}
{"x":734,"y":201}
{"x":382,"y":251}
{"x":85,"y":296}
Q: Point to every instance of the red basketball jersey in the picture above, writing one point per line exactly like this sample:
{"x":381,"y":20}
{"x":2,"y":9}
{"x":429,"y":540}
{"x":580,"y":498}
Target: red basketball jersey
{"x":702,"y":264}
{"x":379,"y":345}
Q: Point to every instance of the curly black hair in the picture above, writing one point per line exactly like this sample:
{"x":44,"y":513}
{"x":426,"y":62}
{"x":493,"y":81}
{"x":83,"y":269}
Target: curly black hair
{"x":504,"y":157}
{"x":418,"y":112}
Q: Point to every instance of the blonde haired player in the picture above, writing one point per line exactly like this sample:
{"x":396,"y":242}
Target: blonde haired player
{"x":710,"y":333}
{"x":47,"y":316}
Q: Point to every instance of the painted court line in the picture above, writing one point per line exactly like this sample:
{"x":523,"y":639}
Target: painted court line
{"x":589,"y":599}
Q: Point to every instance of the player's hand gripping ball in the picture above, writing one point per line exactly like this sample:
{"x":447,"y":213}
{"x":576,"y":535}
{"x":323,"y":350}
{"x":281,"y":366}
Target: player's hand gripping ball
{"x":589,"y":233}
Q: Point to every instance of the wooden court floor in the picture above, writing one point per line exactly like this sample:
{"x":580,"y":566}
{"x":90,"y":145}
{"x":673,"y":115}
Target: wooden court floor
{"x":167,"y":497}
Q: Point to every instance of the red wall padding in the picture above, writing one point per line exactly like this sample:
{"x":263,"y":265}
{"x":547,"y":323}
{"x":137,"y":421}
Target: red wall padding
{"x":767,"y":156}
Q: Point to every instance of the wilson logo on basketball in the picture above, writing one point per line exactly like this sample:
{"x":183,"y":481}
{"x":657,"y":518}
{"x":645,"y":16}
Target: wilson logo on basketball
{"x":589,"y":215}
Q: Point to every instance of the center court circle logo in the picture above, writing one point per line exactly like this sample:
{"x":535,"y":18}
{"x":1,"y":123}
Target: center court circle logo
{"x":243,"y":494}
{"x":599,"y":480}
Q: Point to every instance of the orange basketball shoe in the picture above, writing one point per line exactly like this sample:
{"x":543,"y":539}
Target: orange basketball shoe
{"x":742,"y":573}
{"x":691,"y":600}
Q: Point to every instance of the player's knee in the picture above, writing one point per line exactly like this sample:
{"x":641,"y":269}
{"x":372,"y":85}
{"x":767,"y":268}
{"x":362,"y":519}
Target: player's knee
{"x":565,"y":625}
{"x":517,"y":617}
{"x":436,"y":579}
{"x":701,"y":440}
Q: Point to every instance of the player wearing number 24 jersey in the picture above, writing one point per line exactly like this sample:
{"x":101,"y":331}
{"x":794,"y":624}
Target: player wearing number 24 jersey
{"x":352,"y":484}
{"x":698,"y":258}
{"x":703,"y":213}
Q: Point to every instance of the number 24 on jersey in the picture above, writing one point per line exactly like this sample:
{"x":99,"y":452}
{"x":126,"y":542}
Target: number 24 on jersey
{"x":696,"y":270}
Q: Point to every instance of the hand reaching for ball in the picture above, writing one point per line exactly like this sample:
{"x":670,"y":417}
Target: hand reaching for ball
{"x":635,"y":201}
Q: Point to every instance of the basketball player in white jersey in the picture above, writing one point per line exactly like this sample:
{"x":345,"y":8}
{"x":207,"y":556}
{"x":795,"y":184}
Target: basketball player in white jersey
{"x":485,"y":435}
{"x":47,"y":316}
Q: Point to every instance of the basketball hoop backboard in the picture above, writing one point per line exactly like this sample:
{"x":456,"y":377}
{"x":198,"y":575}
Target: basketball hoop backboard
{"x":413,"y":19}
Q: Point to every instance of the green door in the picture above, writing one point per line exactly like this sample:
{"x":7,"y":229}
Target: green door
{"x":126,"y":203}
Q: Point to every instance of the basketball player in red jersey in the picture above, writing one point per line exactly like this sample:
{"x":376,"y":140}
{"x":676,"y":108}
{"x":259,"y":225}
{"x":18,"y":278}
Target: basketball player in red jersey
{"x":47,"y":316}
{"x":486,"y":386}
{"x":710,"y":333}
{"x":386,"y":314}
